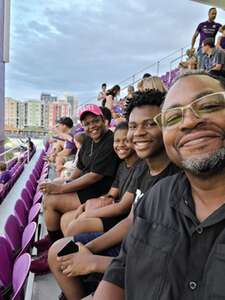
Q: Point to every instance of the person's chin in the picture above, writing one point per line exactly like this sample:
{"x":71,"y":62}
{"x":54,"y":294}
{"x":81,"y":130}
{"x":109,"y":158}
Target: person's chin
{"x":143,"y":154}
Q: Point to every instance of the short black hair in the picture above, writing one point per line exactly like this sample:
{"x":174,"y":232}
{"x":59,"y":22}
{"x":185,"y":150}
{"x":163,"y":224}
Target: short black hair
{"x":209,"y":42}
{"x":66,"y":121}
{"x":212,"y":8}
{"x":121,"y":126}
{"x":106,"y":113}
{"x":104,"y":84}
{"x":146,"y":75}
{"x":150,"y":97}
{"x":197,"y":72}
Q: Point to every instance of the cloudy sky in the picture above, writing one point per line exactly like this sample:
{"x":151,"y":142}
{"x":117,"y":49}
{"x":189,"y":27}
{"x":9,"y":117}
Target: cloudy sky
{"x":75,"y":45}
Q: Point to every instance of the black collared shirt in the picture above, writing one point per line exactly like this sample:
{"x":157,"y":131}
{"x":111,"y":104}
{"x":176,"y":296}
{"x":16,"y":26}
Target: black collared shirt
{"x":168,"y":254}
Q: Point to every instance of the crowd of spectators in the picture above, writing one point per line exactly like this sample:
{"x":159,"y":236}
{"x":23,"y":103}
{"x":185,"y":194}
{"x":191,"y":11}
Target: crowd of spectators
{"x":143,"y":200}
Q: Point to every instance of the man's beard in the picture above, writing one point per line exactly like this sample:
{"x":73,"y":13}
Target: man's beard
{"x":212,"y":164}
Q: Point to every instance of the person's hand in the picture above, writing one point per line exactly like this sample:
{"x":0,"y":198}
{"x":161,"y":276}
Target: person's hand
{"x":50,"y":188}
{"x":77,"y":264}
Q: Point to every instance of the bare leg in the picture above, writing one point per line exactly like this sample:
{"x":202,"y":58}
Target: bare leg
{"x":84,"y":225}
{"x":69,"y":217}
{"x":56,"y":205}
{"x":70,"y":286}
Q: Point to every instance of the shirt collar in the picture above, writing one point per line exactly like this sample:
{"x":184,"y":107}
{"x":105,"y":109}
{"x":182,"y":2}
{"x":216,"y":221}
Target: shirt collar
{"x":183,"y":202}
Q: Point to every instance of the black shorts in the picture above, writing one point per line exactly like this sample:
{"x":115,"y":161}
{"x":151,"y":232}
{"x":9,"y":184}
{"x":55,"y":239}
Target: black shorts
{"x":90,"y":282}
{"x":110,"y":222}
{"x":87,"y":194}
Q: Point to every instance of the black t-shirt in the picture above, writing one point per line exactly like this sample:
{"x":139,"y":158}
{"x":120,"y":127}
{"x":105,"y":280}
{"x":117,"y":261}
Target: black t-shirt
{"x":169,"y":254}
{"x":116,"y":271}
{"x":125,"y":177}
{"x":99,"y":158}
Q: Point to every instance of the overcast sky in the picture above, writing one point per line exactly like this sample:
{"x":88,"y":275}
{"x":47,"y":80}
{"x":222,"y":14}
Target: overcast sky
{"x":75,"y":45}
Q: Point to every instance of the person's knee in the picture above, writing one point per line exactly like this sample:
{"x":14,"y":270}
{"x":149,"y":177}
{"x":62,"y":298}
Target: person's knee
{"x":64,"y":223}
{"x":68,"y":231}
{"x":49,"y":201}
{"x":74,"y":228}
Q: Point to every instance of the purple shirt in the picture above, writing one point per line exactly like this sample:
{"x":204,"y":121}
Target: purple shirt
{"x":207,"y":30}
{"x":5,"y":176}
{"x":70,"y":145}
{"x":222,"y":42}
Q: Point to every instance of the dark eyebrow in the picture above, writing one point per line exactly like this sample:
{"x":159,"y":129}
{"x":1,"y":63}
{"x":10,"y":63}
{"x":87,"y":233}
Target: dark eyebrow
{"x":199,"y":95}
{"x":143,"y":121}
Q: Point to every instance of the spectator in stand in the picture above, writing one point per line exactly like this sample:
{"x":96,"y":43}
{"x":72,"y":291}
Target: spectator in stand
{"x":216,"y":58}
{"x":5,"y":174}
{"x":102,"y":95}
{"x":207,"y":29}
{"x":93,"y":176}
{"x":153,"y":83}
{"x":146,"y":75}
{"x":128,"y":98}
{"x":221,"y":39}
{"x":69,"y":148}
{"x":111,"y":97}
{"x":70,"y":166}
{"x":30,"y":144}
{"x":149,"y":146}
{"x":107,"y":115}
{"x":176,"y":246}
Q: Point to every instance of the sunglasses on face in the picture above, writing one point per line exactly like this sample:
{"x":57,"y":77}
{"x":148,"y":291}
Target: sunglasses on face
{"x":201,"y":108}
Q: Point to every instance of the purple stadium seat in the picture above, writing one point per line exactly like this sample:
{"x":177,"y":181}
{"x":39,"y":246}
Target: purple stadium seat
{"x":13,"y":232}
{"x":30,"y":188}
{"x":28,"y":237}
{"x":36,"y":174}
{"x":21,"y":212}
{"x":33,"y":180}
{"x":20,"y":272}
{"x":6,"y":262}
{"x":38,"y":197}
{"x":34,"y":212}
{"x":26,"y":197}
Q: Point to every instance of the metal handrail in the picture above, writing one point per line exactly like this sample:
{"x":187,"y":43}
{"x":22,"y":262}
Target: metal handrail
{"x":14,"y":148}
{"x":7,"y":151}
{"x":156,"y":64}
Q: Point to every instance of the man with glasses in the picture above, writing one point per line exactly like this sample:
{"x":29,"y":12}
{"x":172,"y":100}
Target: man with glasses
{"x":176,"y":248}
{"x":93,"y":177}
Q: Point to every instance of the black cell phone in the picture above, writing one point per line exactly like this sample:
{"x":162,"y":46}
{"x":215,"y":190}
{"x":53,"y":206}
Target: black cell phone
{"x":71,"y":247}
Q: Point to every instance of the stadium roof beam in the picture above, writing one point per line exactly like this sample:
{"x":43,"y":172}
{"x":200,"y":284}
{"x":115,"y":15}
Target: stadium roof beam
{"x":216,"y":3}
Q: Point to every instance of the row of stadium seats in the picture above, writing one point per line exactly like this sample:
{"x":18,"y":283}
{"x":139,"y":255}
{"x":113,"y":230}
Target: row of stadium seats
{"x":16,"y":167}
{"x":19,"y":235}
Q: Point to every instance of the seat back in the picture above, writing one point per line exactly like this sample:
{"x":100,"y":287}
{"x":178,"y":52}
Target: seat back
{"x":20,"y":272}
{"x":6,"y":262}
{"x":21,"y":212}
{"x":13,"y":232}
{"x":28,"y":236}
{"x":34,"y":212}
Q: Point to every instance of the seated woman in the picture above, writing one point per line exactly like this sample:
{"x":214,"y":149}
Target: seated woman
{"x":115,"y":205}
{"x":5,"y":174}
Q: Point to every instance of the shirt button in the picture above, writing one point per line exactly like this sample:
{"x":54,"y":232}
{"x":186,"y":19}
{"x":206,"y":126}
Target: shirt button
{"x":192,"y":285}
{"x":154,"y":225}
{"x":199,"y":230}
{"x":186,"y":202}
